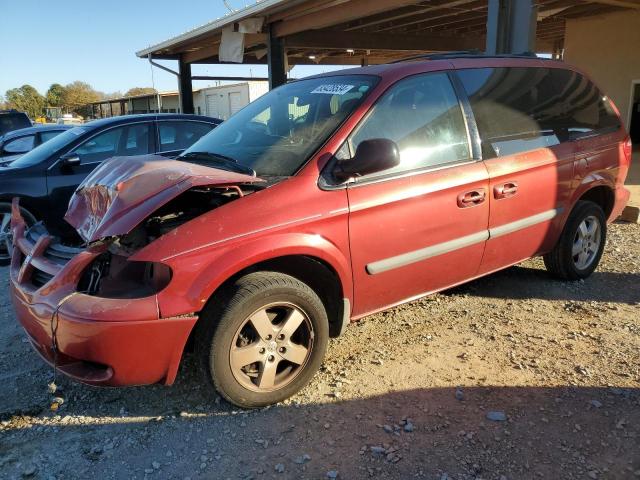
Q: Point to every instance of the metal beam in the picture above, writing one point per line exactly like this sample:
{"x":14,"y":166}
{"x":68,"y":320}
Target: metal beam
{"x":235,"y":79}
{"x":185,"y":87}
{"x":511,"y":26}
{"x":618,"y":3}
{"x":336,"y":14}
{"x":276,"y":60}
{"x":323,"y":39}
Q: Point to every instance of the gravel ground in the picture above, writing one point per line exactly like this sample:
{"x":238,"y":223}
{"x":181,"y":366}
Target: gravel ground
{"x":513,"y":376}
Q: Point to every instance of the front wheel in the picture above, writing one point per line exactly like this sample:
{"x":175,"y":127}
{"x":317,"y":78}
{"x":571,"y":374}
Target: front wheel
{"x":580,"y":247}
{"x":263,"y":339}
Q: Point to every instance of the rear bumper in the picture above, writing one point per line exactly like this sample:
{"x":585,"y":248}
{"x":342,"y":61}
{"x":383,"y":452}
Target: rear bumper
{"x":111,"y":342}
{"x":621,"y":199}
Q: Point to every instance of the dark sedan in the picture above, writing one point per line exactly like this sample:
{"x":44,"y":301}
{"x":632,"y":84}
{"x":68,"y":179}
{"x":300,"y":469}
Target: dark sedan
{"x":45,"y":178}
{"x":18,"y":142}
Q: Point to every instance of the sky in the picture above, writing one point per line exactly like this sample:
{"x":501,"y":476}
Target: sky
{"x":45,"y":42}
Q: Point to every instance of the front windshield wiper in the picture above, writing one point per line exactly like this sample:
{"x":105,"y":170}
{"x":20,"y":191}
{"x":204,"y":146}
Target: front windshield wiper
{"x":219,"y":161}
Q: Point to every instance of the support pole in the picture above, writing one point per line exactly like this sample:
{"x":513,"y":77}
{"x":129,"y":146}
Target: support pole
{"x":185,"y":87}
{"x":511,"y":27}
{"x":276,"y":60}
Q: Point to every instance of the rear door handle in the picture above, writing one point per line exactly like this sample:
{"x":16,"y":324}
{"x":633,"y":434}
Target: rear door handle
{"x":472,"y":198}
{"x":505,"y":190}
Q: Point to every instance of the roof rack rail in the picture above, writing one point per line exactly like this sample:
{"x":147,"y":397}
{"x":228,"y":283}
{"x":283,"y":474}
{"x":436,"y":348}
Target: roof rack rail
{"x":466,"y":54}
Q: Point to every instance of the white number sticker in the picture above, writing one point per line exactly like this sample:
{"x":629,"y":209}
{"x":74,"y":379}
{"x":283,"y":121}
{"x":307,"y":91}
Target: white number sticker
{"x":332,"y":89}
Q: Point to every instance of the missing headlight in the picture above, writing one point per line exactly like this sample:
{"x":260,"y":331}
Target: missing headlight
{"x":113,"y":276}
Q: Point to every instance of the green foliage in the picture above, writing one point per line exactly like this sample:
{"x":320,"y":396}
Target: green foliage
{"x":26,"y":99}
{"x":78,"y":95}
{"x":55,"y":95}
{"x":135,"y":91}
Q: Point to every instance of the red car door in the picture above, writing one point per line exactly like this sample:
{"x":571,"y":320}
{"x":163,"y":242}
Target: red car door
{"x":422,"y":225}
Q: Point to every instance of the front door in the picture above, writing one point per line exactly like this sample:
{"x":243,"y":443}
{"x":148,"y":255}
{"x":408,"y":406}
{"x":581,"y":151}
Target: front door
{"x":422,"y":225}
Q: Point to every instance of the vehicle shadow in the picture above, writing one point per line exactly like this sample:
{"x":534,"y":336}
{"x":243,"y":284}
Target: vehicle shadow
{"x":434,"y":433}
{"x":531,"y":282}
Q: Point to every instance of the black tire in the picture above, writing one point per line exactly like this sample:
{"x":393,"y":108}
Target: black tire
{"x":220,"y":330}
{"x":560,"y":261}
{"x":5,"y":248}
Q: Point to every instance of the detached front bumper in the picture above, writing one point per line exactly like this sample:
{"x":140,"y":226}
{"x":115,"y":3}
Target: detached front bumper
{"x":101,"y":341}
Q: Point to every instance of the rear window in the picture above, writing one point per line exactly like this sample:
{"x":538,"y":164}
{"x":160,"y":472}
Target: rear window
{"x":13,"y":121}
{"x":521,"y":109}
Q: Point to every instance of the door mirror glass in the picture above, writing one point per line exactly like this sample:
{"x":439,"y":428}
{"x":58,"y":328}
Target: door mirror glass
{"x":70,"y":159}
{"x":372,"y":156}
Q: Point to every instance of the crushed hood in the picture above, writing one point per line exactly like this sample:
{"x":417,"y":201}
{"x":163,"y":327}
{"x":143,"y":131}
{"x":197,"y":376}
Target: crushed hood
{"x":123,"y":191}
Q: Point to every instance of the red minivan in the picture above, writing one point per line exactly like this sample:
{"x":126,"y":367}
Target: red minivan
{"x":325,"y":200}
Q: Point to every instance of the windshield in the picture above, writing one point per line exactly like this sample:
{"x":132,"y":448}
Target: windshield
{"x":44,"y":151}
{"x":276,"y":134}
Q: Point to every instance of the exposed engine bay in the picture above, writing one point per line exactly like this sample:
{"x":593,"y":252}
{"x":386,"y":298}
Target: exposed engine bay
{"x":112,"y":275}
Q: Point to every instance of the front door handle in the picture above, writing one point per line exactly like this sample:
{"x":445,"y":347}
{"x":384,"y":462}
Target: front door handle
{"x":472,"y":198}
{"x":505,"y":190}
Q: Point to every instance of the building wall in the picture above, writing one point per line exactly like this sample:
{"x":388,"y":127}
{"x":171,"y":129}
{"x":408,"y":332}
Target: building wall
{"x":224,"y":100}
{"x":607,"y":47}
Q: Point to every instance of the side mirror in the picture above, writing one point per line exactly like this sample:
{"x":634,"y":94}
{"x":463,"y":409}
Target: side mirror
{"x":70,"y":159}
{"x":373,"y":155}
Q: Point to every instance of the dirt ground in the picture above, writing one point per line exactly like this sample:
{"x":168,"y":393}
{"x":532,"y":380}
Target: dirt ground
{"x":513,"y":376}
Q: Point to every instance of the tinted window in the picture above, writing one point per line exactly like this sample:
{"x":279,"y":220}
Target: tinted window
{"x":521,"y":109}
{"x":13,"y":121}
{"x":20,"y":145}
{"x":422,"y":115}
{"x":121,"y":141}
{"x":46,"y":136}
{"x":180,"y":135}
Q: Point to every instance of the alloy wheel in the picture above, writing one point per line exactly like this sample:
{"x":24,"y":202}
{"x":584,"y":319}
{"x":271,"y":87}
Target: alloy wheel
{"x":271,"y":347}
{"x":586,"y":242}
{"x":6,"y":240}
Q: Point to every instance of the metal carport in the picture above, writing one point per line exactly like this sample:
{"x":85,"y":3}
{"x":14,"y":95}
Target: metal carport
{"x":285,"y":33}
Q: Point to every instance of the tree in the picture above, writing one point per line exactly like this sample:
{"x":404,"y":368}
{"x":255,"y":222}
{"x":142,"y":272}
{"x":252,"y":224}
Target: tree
{"x":135,"y":91}
{"x":78,"y":95}
{"x":55,"y":95}
{"x":26,"y":99}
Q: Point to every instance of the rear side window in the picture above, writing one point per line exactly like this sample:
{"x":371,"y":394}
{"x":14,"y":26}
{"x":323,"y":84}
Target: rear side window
{"x":20,"y":145}
{"x":423,"y":116}
{"x":46,"y":136}
{"x":180,"y":135}
{"x":521,"y":109}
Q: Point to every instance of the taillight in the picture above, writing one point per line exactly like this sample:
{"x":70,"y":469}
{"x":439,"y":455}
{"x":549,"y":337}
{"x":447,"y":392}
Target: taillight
{"x":626,"y":148}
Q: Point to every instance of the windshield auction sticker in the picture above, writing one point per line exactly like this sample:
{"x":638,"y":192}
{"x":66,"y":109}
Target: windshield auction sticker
{"x":332,"y":89}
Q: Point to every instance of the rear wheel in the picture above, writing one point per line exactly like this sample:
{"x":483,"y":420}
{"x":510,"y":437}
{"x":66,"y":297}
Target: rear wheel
{"x":580,"y":247}
{"x":6,"y":240}
{"x":263,"y":339}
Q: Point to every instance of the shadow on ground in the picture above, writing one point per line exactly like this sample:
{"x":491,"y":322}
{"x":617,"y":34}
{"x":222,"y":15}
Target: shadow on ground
{"x":570,"y":432}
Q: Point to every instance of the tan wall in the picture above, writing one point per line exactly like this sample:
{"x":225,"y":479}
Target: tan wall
{"x":607,"y":47}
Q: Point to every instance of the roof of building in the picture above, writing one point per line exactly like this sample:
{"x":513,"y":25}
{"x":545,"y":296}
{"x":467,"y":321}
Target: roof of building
{"x":345,"y":32}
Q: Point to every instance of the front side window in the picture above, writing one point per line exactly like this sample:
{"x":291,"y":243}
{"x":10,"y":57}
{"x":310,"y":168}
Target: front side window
{"x":127,"y":140}
{"x":20,"y":145}
{"x":180,"y":135}
{"x":276,"y":134}
{"x":521,"y":109}
{"x":423,"y":117}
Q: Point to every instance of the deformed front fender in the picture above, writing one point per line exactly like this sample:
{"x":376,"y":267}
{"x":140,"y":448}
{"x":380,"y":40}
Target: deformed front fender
{"x":198,"y":274}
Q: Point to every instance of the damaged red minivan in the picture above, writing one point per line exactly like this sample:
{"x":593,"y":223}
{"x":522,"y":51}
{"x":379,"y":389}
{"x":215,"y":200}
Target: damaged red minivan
{"x":323,"y":201}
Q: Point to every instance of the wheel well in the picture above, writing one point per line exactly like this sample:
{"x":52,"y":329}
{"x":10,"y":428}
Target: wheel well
{"x":26,"y":204}
{"x":602,"y":196}
{"x":319,"y":275}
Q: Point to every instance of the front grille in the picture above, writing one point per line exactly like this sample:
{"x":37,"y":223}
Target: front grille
{"x":39,"y":278}
{"x":56,"y":252}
